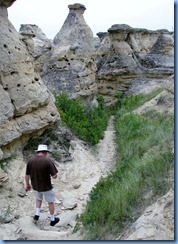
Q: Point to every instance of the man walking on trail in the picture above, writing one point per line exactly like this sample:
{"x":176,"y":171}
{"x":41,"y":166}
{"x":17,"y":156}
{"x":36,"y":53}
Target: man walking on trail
{"x":39,"y":170}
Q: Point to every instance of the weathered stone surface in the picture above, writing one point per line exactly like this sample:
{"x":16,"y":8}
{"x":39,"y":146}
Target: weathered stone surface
{"x":6,"y":108}
{"x":69,"y":203}
{"x":71,"y":67}
{"x":3,"y":177}
{"x":5,"y":217}
{"x":163,"y":102}
{"x":38,"y":44}
{"x":26,"y":124}
{"x":129,"y":59}
{"x":68,"y":218}
{"x":156,"y":223}
{"x":25,"y":88}
{"x":27,"y":105}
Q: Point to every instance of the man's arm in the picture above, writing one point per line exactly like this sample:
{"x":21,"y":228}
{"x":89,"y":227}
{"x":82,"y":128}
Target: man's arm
{"x":27,"y":180}
{"x":54,"y":176}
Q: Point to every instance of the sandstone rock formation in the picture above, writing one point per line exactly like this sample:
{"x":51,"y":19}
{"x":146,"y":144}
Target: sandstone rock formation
{"x":37,"y":43}
{"x":27,"y":106}
{"x":71,"y":67}
{"x":124,"y":59}
{"x":3,"y":177}
{"x":130,"y":59}
{"x":156,"y":223}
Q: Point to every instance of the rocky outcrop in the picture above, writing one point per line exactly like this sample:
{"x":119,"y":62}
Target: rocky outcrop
{"x":27,"y":105}
{"x":163,"y":102}
{"x":124,"y":59}
{"x":37,"y":43}
{"x":156,"y":223}
{"x":71,"y":67}
{"x":3,"y":177}
{"x":129,"y":59}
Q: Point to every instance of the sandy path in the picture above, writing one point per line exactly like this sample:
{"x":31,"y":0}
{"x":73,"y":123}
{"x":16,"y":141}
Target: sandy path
{"x":75,"y":180}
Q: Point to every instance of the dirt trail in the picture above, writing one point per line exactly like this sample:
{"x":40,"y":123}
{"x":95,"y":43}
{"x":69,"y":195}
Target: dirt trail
{"x":75,"y":180}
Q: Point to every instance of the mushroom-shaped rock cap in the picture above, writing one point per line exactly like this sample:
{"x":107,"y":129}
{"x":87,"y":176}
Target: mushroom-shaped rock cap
{"x":76,"y":6}
{"x":6,"y":3}
{"x":119,"y":28}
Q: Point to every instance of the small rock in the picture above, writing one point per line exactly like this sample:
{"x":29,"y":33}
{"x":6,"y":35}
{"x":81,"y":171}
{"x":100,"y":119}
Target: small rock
{"x":58,"y":201}
{"x":76,"y":185}
{"x":17,"y":216}
{"x":22,"y":193}
{"x":5,"y":218}
{"x":69,"y":203}
{"x":81,"y":198}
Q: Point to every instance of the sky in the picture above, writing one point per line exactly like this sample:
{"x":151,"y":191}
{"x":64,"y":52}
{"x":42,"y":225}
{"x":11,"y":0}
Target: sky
{"x":100,"y":15}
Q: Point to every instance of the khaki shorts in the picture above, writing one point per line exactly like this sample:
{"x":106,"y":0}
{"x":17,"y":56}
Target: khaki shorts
{"x":48,"y":195}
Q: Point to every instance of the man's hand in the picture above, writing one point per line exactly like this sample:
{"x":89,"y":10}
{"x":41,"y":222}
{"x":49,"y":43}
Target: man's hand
{"x":28,"y":187}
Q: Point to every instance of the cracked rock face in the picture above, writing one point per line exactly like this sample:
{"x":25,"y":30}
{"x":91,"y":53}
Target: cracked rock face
{"x":27,"y":104}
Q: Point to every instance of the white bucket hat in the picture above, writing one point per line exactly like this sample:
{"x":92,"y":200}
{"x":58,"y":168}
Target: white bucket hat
{"x":42,"y":148}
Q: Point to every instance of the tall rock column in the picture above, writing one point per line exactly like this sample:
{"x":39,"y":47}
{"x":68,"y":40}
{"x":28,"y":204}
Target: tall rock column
{"x":71,"y":68}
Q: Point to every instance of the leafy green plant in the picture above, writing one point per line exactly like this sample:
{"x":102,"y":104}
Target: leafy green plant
{"x":88,"y":125}
{"x":4,"y":162}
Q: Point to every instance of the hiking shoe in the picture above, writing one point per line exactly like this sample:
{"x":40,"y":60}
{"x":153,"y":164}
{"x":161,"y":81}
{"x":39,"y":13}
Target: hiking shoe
{"x":36,"y":217}
{"x":56,"y":220}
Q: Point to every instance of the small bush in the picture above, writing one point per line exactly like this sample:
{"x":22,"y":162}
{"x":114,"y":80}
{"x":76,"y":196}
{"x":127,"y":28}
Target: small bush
{"x":57,"y":155}
{"x":4,"y":162}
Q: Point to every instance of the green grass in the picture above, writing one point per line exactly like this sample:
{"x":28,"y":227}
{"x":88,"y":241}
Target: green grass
{"x":144,"y":160}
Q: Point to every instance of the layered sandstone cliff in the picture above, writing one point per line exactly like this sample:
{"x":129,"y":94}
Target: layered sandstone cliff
{"x":132,"y":60}
{"x":26,"y":103}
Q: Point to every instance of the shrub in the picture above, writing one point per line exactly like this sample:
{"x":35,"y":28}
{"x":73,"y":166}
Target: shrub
{"x":88,"y":125}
